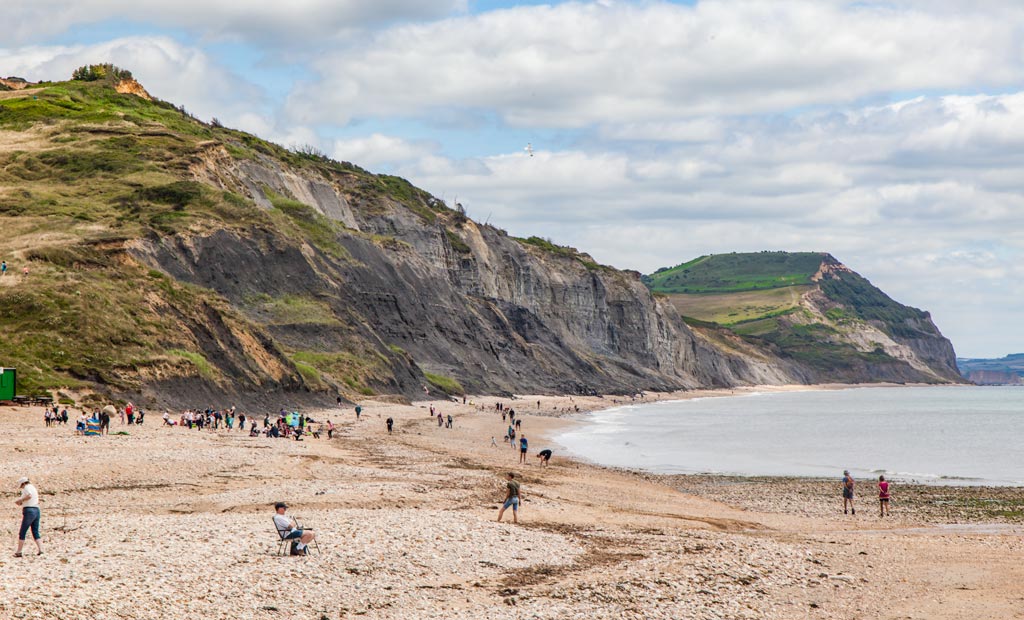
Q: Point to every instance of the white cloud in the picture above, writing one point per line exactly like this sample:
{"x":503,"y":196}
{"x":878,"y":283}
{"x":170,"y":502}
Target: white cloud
{"x":268,"y":22}
{"x":632,"y":66}
{"x":379,"y":150}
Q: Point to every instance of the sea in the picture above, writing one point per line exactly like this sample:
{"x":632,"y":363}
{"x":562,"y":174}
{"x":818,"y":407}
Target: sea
{"x":953,"y":435}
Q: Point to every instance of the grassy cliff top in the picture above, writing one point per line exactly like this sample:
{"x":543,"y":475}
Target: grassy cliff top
{"x":737,"y":272}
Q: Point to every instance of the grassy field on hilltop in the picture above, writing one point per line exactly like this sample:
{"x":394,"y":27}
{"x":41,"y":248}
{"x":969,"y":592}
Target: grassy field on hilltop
{"x":731,"y":273}
{"x":732,"y":289}
{"x":733,"y":308}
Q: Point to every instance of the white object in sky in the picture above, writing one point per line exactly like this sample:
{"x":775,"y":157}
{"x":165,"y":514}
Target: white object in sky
{"x":529,"y":149}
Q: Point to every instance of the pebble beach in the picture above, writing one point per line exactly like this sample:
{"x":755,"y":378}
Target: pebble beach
{"x":165,"y":522}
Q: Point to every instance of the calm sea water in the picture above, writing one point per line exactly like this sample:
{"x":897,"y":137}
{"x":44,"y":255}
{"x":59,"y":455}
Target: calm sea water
{"x":941,"y":435}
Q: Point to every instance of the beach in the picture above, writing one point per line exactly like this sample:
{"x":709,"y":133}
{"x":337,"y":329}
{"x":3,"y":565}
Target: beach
{"x":176,"y":523}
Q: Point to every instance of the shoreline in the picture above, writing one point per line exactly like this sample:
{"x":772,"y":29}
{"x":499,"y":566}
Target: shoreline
{"x":578,"y":419}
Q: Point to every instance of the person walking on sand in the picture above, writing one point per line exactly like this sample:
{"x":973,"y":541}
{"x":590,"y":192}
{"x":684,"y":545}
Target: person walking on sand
{"x":450,"y":420}
{"x":391,"y":424}
{"x":359,"y":411}
{"x":29,"y":502}
{"x":523,"y":447}
{"x":848,"y":492}
{"x":513,"y":497}
{"x":3,"y":268}
{"x":883,"y":497}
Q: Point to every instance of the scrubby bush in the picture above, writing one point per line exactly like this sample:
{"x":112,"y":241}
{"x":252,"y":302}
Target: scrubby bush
{"x":91,"y":73}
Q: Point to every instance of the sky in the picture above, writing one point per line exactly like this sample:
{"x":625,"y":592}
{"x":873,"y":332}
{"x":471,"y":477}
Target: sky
{"x":887,"y":133}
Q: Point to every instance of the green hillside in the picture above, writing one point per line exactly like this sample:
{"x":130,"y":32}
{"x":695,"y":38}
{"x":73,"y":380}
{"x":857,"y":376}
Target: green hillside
{"x":736,"y":288}
{"x":84,"y":171}
{"x":833,"y":326}
{"x":736,"y":272}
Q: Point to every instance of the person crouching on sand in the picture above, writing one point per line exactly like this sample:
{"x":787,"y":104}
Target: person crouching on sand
{"x":883,"y":497}
{"x":544,"y":456}
{"x":848,"y":492}
{"x":513,"y":497}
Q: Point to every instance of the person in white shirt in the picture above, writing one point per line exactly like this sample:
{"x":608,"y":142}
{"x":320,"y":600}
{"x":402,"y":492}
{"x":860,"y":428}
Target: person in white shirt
{"x":29,"y":502}
{"x":287,"y":524}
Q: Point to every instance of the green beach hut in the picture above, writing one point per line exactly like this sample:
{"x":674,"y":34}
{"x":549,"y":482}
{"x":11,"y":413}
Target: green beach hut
{"x":8,"y":383}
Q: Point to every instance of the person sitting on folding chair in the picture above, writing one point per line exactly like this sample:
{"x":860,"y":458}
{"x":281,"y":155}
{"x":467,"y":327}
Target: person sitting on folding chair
{"x":289,"y":530}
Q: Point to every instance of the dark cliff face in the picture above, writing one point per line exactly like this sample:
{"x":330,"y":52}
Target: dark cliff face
{"x":494,"y":313}
{"x":409,"y":294}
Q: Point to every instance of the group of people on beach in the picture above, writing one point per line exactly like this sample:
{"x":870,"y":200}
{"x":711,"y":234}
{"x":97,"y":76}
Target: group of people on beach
{"x":291,"y":425}
{"x":847,"y":489}
{"x":59,"y":416}
{"x":441,"y":421}
{"x":54,"y":416}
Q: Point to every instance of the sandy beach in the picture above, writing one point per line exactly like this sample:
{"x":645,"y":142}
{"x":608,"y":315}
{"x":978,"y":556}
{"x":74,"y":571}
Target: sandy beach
{"x":175,"y":523}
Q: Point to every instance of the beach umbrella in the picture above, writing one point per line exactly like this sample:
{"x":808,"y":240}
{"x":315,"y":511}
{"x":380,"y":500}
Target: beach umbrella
{"x":109,"y":409}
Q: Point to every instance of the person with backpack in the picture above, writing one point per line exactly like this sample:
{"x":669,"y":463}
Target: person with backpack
{"x":848,"y":492}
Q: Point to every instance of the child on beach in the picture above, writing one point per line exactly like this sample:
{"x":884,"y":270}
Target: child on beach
{"x":883,"y":497}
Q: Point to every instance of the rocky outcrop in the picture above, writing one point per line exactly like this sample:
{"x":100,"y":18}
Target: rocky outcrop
{"x":130,"y":86}
{"x":15,"y":83}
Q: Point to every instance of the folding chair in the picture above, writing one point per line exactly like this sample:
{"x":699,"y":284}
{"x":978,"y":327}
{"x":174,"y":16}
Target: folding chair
{"x":284,"y":548}
{"x":313,"y":543}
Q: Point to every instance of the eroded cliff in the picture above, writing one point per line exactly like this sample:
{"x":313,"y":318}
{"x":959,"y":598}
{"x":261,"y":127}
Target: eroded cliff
{"x":178,"y":261}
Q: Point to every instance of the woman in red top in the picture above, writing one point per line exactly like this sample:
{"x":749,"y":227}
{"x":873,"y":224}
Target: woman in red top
{"x":883,"y":497}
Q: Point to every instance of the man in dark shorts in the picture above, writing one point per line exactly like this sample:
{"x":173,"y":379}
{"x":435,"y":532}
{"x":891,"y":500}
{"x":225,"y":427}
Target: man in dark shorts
{"x":289,"y":530}
{"x":848,"y":492}
{"x":544,"y":456}
{"x":523,"y":447}
{"x":513,"y":497}
{"x":391,"y":424}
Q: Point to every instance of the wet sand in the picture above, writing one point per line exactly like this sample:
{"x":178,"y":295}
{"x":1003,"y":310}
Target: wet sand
{"x":173,"y":523}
